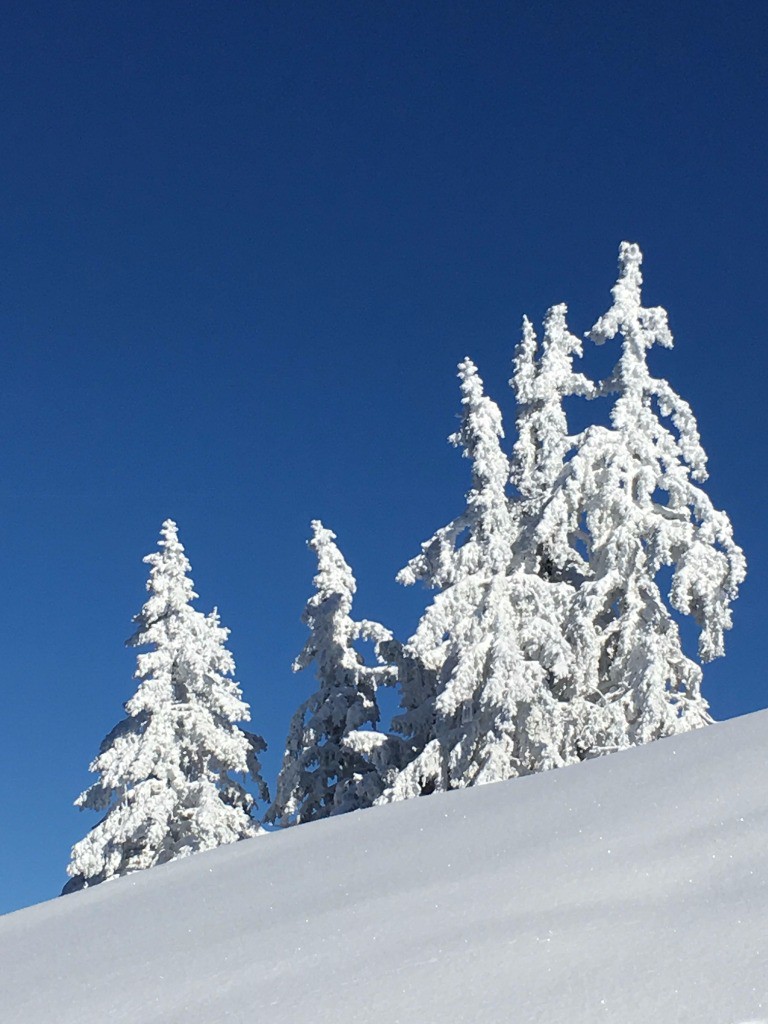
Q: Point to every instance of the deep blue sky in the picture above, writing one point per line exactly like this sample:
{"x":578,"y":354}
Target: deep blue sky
{"x":244,"y":246}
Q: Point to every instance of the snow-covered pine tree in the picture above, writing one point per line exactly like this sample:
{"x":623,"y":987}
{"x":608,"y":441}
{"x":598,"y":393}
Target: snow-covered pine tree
{"x":322,"y":773}
{"x":550,"y":640}
{"x":628,"y":498}
{"x":478,"y":675}
{"x":540,"y":385}
{"x":541,"y":381}
{"x":164,"y":771}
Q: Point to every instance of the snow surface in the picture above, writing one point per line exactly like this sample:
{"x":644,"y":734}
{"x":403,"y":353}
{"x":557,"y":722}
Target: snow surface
{"x":632,"y":889}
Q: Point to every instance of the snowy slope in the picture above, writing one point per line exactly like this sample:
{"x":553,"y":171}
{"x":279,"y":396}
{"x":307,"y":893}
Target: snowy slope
{"x":633,"y":889}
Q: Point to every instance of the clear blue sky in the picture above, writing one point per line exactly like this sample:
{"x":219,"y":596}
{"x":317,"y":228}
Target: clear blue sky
{"x":245,"y":245}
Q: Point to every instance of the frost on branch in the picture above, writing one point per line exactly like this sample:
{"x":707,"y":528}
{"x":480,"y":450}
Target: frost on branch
{"x":328,"y":766}
{"x":551,"y":638}
{"x":628,"y":494}
{"x":541,"y":382}
{"x":165,"y":771}
{"x":540,"y":387}
{"x":479,"y":674}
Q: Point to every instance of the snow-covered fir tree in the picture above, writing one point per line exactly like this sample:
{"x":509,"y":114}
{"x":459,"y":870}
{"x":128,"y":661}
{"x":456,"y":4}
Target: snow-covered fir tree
{"x":323,"y":773}
{"x":540,"y":383}
{"x":629,"y":500}
{"x":165,"y":781}
{"x":550,"y":639}
{"x":479,"y":677}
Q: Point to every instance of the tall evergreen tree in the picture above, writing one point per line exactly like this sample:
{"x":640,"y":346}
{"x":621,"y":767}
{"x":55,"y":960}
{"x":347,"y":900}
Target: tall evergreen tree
{"x":322,"y":772}
{"x":550,"y":639}
{"x":629,"y":495}
{"x":478,"y":676}
{"x":164,"y":771}
{"x":541,"y":381}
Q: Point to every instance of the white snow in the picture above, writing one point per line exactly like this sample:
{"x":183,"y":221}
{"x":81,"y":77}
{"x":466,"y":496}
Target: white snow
{"x":631,"y":889}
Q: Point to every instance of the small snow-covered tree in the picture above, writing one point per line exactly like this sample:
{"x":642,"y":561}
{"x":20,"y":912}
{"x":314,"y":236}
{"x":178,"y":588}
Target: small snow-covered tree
{"x":164,"y":771}
{"x":479,"y":675}
{"x":540,"y":385}
{"x":542,"y":379}
{"x":323,"y":773}
{"x":628,"y":497}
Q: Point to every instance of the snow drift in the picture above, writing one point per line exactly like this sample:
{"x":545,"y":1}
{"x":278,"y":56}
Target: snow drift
{"x":629,"y":889}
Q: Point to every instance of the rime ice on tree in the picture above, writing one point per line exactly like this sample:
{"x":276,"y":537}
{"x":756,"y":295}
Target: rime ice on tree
{"x":542,"y":379}
{"x":164,"y":771}
{"x":550,"y":640}
{"x":628,"y":494}
{"x":323,"y":771}
{"x":477,"y":676}
{"x":540,"y":385}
